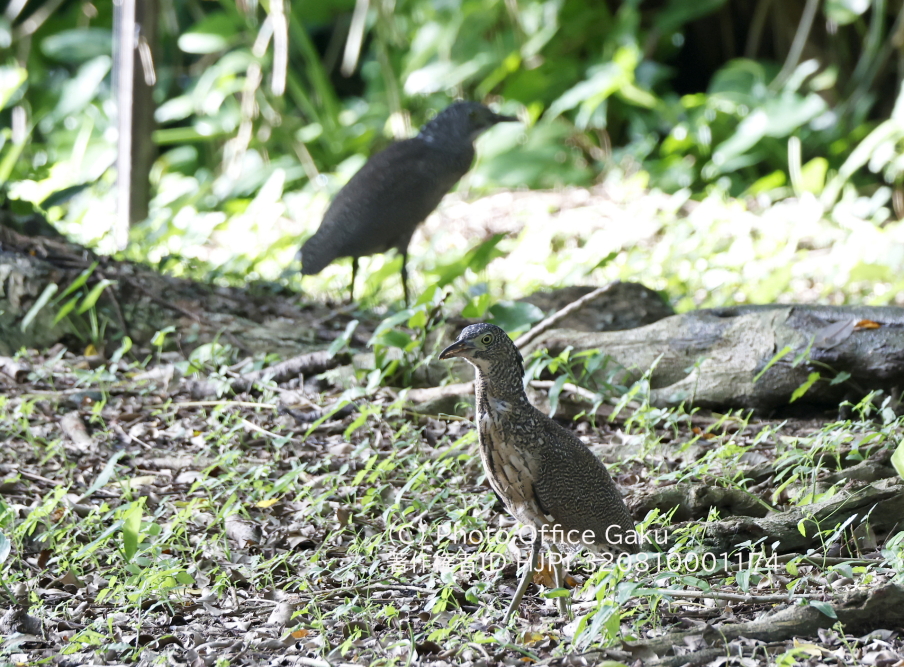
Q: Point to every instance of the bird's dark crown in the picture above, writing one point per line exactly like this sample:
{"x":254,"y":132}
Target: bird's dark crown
{"x":461,"y":123}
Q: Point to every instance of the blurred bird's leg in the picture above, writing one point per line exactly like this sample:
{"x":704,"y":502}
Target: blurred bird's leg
{"x":559,"y":571}
{"x":405,"y":274}
{"x":529,"y":569}
{"x":351,"y":289}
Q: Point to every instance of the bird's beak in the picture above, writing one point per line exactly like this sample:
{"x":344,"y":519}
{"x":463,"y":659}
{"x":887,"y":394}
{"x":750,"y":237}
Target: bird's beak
{"x":499,"y":118}
{"x":456,"y":349}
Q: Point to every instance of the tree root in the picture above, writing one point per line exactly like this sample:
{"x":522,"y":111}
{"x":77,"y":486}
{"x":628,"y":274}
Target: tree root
{"x":881,"y":504}
{"x":694,"y":501}
{"x":861,"y":611}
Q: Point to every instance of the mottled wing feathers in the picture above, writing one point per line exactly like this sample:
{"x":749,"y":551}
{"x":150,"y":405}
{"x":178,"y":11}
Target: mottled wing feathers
{"x":575,"y":488}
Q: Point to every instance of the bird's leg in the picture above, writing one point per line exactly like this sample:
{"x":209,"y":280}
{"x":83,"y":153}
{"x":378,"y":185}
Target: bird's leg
{"x":559,"y":571}
{"x":351,"y":289}
{"x":405,"y":274}
{"x":529,"y":569}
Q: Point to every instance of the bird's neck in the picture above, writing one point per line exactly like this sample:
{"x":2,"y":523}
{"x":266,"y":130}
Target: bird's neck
{"x":506,"y":387}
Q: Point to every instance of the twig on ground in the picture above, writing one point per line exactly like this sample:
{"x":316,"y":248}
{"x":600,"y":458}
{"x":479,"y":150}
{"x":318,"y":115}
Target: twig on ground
{"x":310,"y":416}
{"x":35,"y":478}
{"x":254,"y":427}
{"x":311,"y":363}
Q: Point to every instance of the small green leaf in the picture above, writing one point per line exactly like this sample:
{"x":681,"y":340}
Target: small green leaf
{"x":343,"y":340}
{"x":612,"y":626}
{"x":605,"y":261}
{"x":79,"y":281}
{"x":131,"y":527}
{"x":359,"y":421}
{"x":94,"y":295}
{"x":159,"y":338}
{"x":554,"y":392}
{"x":105,"y":475}
{"x":477,"y":307}
{"x":184,"y":578}
{"x":123,"y":349}
{"x":333,"y":410}
{"x":66,"y":309}
{"x":476,"y":260}
{"x":626,"y":590}
{"x":897,"y":459}
{"x":394,"y":338}
{"x":32,"y":313}
{"x":418,"y":320}
{"x":63,"y":195}
{"x":390,"y":323}
{"x":801,"y":527}
{"x":813,"y":175}
{"x":778,"y":356}
{"x":78,"y":46}
{"x":824,"y":607}
{"x":90,"y":548}
{"x":481,"y":256}
{"x":557,"y":593}
{"x":784,"y":485}
{"x":5,"y":547}
{"x":515,"y":315}
{"x":767,"y":183}
{"x":805,"y":387}
{"x":843,"y":376}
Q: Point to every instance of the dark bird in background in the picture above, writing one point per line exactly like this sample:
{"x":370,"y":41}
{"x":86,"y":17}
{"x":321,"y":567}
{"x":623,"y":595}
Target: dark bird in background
{"x":546,"y":477}
{"x":395,"y":191}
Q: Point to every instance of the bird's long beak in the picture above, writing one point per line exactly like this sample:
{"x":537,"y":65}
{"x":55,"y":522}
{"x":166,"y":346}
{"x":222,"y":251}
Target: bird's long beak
{"x":499,"y":118}
{"x":456,"y":349}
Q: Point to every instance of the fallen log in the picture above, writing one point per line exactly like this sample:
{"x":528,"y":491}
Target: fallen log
{"x":754,"y":356}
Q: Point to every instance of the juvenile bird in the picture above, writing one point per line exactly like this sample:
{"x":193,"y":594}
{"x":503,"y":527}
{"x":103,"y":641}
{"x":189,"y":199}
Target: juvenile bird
{"x":546,"y":477}
{"x":395,"y":191}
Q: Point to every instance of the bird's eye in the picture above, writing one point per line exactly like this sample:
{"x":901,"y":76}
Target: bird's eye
{"x":487,"y":339}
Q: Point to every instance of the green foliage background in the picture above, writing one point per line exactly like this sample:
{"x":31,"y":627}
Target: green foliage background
{"x":258,"y":127}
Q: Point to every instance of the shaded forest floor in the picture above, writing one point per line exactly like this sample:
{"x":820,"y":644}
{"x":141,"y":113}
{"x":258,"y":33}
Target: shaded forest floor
{"x":156,"y":509}
{"x":241,"y":531}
